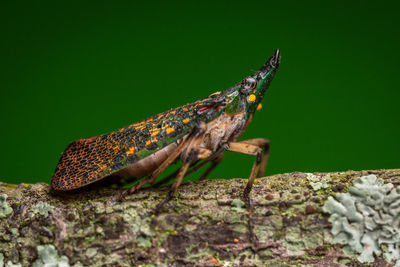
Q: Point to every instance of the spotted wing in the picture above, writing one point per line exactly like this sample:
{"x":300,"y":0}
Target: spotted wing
{"x":88,"y":160}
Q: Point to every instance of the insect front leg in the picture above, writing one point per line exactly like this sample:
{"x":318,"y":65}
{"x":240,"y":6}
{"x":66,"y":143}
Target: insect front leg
{"x":258,"y":147}
{"x":264,"y":144}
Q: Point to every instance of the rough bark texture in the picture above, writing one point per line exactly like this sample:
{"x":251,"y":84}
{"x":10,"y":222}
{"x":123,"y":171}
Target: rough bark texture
{"x":206,"y":224}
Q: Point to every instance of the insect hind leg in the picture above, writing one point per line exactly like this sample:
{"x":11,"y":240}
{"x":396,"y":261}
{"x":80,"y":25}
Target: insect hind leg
{"x":214,"y":164}
{"x":191,"y":154}
{"x":174,"y":187}
{"x":215,"y":160}
{"x":152,"y":177}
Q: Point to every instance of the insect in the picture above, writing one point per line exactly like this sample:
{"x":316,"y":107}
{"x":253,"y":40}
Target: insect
{"x":198,"y":133}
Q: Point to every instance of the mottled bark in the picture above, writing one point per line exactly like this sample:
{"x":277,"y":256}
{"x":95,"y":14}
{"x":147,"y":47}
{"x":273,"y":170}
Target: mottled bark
{"x":206,"y":224}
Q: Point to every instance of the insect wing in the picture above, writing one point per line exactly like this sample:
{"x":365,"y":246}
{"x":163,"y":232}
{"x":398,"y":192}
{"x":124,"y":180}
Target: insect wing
{"x":88,"y":160}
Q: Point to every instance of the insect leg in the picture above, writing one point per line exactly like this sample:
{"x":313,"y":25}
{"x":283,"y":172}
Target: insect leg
{"x":166,"y":179}
{"x":175,"y":173}
{"x":190,"y":155}
{"x":174,"y":187}
{"x":152,"y":177}
{"x":126,"y":181}
{"x":168,"y":161}
{"x":249,"y":149}
{"x":214,"y":162}
{"x":183,"y":171}
{"x":264,"y":144}
{"x":260,"y":148}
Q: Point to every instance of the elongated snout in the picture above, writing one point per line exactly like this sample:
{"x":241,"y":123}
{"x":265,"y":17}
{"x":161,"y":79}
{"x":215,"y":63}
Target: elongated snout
{"x":272,"y":63}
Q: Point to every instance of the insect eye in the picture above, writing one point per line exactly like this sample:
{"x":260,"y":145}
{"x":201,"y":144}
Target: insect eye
{"x":248,"y":83}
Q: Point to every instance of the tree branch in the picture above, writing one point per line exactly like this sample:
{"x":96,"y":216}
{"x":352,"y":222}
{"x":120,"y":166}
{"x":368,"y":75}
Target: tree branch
{"x":206,"y":224}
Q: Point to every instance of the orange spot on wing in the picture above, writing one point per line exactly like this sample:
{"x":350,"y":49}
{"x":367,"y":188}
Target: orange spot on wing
{"x":138,"y":123}
{"x":185,"y":121}
{"x":103,"y":167}
{"x":131,"y":151}
{"x":155,"y":133}
{"x":159,"y":116}
{"x":140,"y":127}
{"x":170,"y":130}
{"x":235,"y":240}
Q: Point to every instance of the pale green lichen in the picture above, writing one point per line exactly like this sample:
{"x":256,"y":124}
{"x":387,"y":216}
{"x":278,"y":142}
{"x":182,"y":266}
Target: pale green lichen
{"x":144,"y":242}
{"x":48,"y":257}
{"x":5,"y":209}
{"x":293,"y":241}
{"x":367,"y":219}
{"x":313,"y":240}
{"x":199,"y":254}
{"x":237,"y":205}
{"x":317,"y":182}
{"x":137,"y":224}
{"x":91,"y":252}
{"x":1,"y":260}
{"x":10,"y":264}
{"x":42,"y":208}
{"x":14,"y":232}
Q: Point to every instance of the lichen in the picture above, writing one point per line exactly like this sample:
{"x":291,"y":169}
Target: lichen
{"x":293,"y":241}
{"x":144,"y":242}
{"x":237,"y":205}
{"x":318,"y":183}
{"x":42,"y":208}
{"x":14,"y":232}
{"x":5,"y":209}
{"x":366,"y":219}
{"x":197,"y":253}
{"x":313,"y":240}
{"x":48,"y":257}
{"x":10,"y":264}
{"x":91,"y":252}
{"x":137,"y":224}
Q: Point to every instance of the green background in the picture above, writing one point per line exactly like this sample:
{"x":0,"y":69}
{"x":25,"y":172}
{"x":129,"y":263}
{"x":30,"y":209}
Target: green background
{"x":71,"y":70}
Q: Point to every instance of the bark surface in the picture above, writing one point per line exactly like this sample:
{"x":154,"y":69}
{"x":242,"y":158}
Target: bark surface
{"x":206,"y":224}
